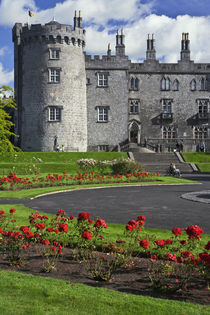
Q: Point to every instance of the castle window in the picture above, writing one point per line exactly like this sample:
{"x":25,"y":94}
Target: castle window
{"x":176,"y":85}
{"x":169,"y":132}
{"x":102,"y":113}
{"x":203,"y":84}
{"x":54,"y":113}
{"x":134,"y":106}
{"x":103,"y":148}
{"x":200,"y":132}
{"x":193,"y":85}
{"x":54,"y":53}
{"x":134,"y":84}
{"x":166,"y":105}
{"x":203,"y":108}
{"x":54,"y":75}
{"x":102,"y":79}
{"x":165,"y":84}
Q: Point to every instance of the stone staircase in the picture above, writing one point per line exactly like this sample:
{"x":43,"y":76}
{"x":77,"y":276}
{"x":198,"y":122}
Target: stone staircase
{"x":159,"y":162}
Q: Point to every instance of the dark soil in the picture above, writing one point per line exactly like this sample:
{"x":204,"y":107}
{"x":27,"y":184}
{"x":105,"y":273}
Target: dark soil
{"x":134,"y":278}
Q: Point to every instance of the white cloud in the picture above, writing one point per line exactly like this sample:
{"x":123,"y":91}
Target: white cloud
{"x":15,"y":11}
{"x":2,"y":51}
{"x":136,"y":18}
{"x":6,"y":77}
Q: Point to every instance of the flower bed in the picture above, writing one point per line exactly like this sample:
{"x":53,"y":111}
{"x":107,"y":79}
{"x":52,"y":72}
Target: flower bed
{"x":172,"y":266}
{"x":13,"y":182}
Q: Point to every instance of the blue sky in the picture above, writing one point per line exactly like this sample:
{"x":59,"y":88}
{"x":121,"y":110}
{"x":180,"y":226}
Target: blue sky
{"x":167,"y":19}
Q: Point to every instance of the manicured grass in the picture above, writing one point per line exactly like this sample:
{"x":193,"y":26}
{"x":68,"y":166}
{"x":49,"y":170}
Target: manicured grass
{"x":202,"y":160}
{"x":196,"y":157}
{"x":27,"y":294}
{"x":30,"y":193}
{"x":51,"y":161}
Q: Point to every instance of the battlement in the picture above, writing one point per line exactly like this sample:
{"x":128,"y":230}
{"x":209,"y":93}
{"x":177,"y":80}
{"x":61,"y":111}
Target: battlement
{"x":106,"y":61}
{"x":52,"y":32}
{"x":180,"y":67}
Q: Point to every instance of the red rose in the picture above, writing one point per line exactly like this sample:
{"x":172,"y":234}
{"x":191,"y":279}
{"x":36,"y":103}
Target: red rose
{"x":72,"y":217}
{"x":86,"y":235}
{"x":183,"y":242}
{"x":99,"y":223}
{"x":90,"y":221}
{"x":53,"y":248}
{"x":185,"y":254}
{"x":60,"y":211}
{"x":2,"y":212}
{"x":130,"y":227}
{"x":12,"y":210}
{"x":49,"y":230}
{"x":160,"y":243}
{"x":40,"y":226}
{"x":141,"y":217}
{"x":24,"y":246}
{"x":60,"y":249}
{"x":144,"y":243}
{"x":154,"y":257}
{"x":170,"y":256}
{"x":205,"y":257}
{"x":177,"y":231}
{"x":37,"y":235}
{"x":63,"y":227}
{"x":24,"y":229}
{"x":29,"y":234}
{"x":207,"y":245}
{"x":83,"y":216}
{"x":194,"y":232}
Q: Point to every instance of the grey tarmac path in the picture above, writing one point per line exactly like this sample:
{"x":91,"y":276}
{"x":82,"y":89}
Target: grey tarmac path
{"x":163,"y":206}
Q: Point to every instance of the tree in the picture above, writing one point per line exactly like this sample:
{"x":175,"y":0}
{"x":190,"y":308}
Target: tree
{"x":7,"y":105}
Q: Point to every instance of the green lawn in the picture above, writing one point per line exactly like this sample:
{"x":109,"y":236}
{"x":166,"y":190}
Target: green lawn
{"x":27,"y":294}
{"x":52,"y":162}
{"x":202,"y":160}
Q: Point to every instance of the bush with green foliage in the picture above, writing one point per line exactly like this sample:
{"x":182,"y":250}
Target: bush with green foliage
{"x":123,"y":166}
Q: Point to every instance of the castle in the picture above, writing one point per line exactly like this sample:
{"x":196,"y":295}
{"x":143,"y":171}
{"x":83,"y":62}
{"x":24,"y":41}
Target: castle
{"x":105,"y":103}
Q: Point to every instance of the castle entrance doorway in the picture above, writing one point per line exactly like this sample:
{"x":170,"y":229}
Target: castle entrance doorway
{"x":134,"y":136}
{"x":134,"y":132}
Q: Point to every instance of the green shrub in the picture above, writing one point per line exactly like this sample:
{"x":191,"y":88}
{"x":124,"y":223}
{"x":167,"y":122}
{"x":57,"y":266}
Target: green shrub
{"x":123,"y":166}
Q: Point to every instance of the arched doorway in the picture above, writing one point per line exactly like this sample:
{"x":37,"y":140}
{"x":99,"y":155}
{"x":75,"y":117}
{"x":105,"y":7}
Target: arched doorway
{"x":134,"y":133}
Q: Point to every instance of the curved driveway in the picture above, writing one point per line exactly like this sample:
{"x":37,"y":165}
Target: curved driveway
{"x":162,"y":205}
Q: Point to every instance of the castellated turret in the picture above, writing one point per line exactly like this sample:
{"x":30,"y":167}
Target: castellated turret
{"x":50,"y":86}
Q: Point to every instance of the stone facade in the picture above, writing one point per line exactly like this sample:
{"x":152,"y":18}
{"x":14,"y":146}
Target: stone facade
{"x":105,"y":103}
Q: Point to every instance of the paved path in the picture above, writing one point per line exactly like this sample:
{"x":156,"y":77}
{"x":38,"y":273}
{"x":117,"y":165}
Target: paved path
{"x":162,"y":205}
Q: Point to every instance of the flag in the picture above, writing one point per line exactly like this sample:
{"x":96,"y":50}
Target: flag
{"x":30,"y":14}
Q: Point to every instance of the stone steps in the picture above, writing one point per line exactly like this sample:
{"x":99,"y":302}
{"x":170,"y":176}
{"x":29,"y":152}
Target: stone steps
{"x":159,"y":162}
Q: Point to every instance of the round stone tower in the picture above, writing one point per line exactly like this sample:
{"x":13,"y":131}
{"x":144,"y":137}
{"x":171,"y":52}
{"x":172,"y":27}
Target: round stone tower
{"x":50,"y":86}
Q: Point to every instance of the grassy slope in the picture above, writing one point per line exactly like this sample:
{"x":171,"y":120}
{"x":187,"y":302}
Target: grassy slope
{"x":202,"y":160}
{"x":27,"y":294}
{"x":52,"y":161}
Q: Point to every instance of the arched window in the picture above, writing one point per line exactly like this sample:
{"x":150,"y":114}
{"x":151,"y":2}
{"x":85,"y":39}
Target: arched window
{"x":66,"y":39}
{"x":203,"y":84}
{"x":165,"y":84}
{"x":193,"y":85}
{"x":134,"y":84}
{"x":176,"y":85}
